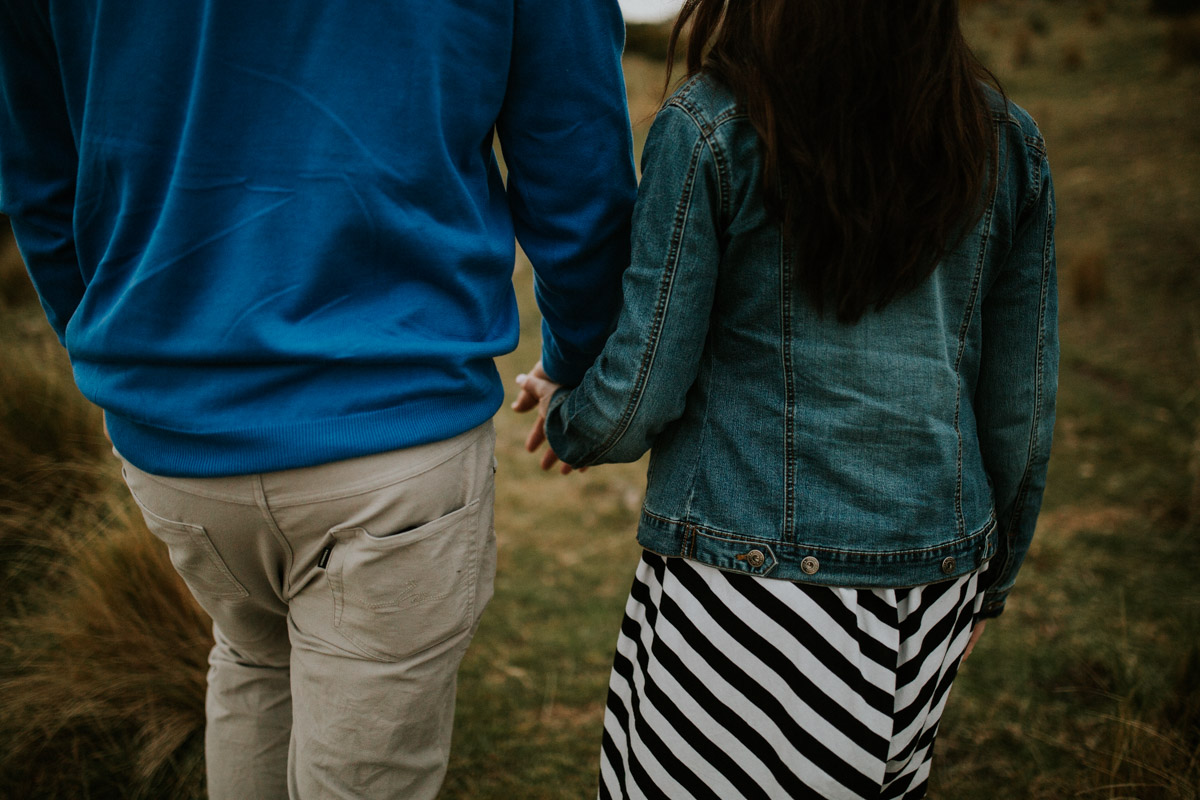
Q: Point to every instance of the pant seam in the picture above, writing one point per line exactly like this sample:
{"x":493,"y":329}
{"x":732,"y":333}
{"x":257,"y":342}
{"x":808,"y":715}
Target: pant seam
{"x":264,"y":505}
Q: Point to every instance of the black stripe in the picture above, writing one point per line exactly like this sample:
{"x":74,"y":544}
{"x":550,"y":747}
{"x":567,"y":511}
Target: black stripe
{"x":799,"y":738}
{"x":877,"y":607}
{"x":609,"y":754}
{"x":939,"y":635}
{"x":675,"y":718}
{"x":847,"y":620}
{"x":815,"y":641}
{"x":935,"y":636}
{"x":930,"y":595}
{"x":637,"y":772}
{"x":918,"y":791}
{"x":724,"y":713}
{"x":800,"y":684}
{"x":608,"y":748}
{"x":942,"y":685}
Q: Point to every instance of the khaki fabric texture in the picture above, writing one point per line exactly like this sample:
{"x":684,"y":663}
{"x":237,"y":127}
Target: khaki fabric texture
{"x":343,"y":598}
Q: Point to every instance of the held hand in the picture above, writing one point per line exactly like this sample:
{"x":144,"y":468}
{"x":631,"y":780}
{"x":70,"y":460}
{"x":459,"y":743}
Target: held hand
{"x":536,"y":391}
{"x":975,"y":634}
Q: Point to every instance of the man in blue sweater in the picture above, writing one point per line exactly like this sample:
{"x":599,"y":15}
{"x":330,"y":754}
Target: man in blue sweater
{"x":277,"y":246}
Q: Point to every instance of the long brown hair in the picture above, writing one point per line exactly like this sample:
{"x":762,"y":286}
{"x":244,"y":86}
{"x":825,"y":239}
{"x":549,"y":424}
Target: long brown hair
{"x":873,"y":125}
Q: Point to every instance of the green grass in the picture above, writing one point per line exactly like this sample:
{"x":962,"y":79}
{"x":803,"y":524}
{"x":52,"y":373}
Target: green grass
{"x":1089,"y":686}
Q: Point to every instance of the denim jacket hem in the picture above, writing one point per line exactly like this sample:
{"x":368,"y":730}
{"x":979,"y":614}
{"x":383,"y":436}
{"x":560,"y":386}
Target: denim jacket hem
{"x":815,"y":564}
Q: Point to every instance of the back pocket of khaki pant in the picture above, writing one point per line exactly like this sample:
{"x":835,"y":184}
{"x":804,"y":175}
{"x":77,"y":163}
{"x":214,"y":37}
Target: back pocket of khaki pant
{"x":195,"y":558}
{"x":397,"y":595}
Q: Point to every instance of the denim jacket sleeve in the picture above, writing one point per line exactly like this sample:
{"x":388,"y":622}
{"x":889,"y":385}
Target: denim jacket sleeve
{"x":640,"y":382}
{"x":1018,"y":381}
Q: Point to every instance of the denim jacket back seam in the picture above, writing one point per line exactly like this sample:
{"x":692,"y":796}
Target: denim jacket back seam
{"x":789,"y":392}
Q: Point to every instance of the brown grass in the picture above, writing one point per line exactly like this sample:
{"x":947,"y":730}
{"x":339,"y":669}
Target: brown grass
{"x":1088,"y":276}
{"x":1072,"y":56}
{"x":15,"y":289}
{"x":1193,"y":523}
{"x":111,"y":647}
{"x":1096,"y":13}
{"x":1183,"y":42}
{"x":1022,"y":47}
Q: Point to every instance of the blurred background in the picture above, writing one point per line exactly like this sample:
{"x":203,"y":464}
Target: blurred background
{"x":1089,"y":685}
{"x":642,"y":11}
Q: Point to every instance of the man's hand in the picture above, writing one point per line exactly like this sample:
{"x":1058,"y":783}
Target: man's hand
{"x":536,"y":391}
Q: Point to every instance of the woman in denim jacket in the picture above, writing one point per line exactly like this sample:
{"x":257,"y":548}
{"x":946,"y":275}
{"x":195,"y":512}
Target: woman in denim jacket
{"x":839,"y":344}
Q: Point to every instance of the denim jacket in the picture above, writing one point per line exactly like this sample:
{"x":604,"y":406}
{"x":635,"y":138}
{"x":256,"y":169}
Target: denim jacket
{"x":908,"y":448}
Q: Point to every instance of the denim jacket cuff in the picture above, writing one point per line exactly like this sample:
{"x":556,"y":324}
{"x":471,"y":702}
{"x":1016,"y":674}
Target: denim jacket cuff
{"x":993,"y":605}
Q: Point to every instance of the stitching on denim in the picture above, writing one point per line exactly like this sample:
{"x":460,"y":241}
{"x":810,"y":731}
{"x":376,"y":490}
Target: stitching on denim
{"x":789,"y":426}
{"x":1018,"y":509}
{"x":704,"y":430}
{"x":646,"y":362}
{"x":964,"y":328}
{"x":1039,"y":367}
{"x":691,"y":531}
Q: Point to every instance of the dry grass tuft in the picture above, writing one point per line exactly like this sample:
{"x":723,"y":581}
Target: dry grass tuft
{"x":1038,"y":22}
{"x":1158,"y":758}
{"x":1183,"y":42}
{"x":112,"y":648}
{"x":1173,"y":8}
{"x":1194,"y":463}
{"x":1089,"y":277}
{"x":650,"y":40}
{"x":1072,"y":56}
{"x":15,"y":288}
{"x":1022,"y":47}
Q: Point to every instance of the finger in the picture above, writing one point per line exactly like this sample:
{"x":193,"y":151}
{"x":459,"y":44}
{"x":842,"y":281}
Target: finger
{"x":549,"y":458}
{"x":526,"y":401}
{"x":537,"y":435}
{"x":975,"y":634}
{"x":526,"y":398}
{"x":538,"y":387}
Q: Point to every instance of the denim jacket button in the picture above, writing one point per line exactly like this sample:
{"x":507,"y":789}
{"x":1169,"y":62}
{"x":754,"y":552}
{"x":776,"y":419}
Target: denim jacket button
{"x":948,"y":565}
{"x":755,"y":558}
{"x":809,"y":565}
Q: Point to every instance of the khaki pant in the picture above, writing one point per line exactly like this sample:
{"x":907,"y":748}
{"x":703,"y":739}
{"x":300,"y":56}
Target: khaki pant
{"x":343,"y":598}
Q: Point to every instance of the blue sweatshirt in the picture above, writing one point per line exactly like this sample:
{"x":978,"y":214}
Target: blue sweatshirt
{"x":274,"y":234}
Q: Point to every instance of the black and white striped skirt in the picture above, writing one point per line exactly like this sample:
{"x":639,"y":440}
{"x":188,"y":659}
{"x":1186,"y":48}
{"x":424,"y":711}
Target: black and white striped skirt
{"x":728,"y":686}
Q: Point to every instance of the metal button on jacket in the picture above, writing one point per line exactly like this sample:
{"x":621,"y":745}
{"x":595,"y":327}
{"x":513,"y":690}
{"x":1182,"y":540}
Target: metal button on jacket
{"x":809,"y":565}
{"x":755,"y":558}
{"x":948,"y":565}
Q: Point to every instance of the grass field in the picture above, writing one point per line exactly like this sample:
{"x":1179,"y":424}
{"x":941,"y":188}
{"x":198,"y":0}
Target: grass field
{"x":1089,"y":686}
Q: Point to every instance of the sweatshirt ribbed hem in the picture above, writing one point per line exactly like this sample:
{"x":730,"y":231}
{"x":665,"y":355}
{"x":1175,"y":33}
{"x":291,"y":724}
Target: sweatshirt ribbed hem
{"x":291,"y":445}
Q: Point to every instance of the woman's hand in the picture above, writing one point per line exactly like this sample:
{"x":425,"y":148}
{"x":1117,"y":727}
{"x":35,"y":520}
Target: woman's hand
{"x":536,"y":391}
{"x":975,"y":634}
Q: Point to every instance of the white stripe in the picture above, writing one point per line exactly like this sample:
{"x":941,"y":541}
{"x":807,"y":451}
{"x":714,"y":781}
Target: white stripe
{"x":798,"y":763}
{"x":830,"y":629}
{"x":652,"y":717}
{"x":648,"y":715}
{"x":934,"y":665}
{"x":812,"y":666}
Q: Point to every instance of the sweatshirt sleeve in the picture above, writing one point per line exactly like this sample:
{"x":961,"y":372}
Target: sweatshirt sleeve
{"x":564,"y":129}
{"x":1018,"y":382}
{"x":38,"y":159}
